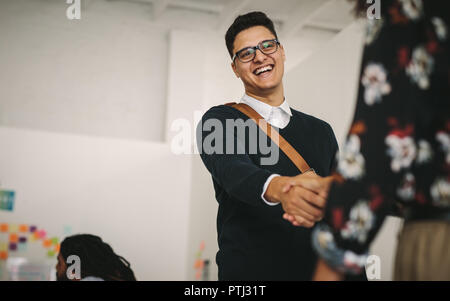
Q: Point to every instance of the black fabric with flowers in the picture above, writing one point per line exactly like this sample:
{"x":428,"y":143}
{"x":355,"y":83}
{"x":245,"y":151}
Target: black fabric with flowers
{"x":397,"y":153}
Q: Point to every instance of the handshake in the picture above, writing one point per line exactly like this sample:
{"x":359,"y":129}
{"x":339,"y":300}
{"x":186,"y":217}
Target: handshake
{"x":303,"y":197}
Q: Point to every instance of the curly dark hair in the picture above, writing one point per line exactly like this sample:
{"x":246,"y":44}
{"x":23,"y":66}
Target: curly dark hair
{"x":97,"y":258}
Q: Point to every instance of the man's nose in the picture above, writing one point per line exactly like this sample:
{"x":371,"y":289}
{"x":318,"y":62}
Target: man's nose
{"x":259,"y":56}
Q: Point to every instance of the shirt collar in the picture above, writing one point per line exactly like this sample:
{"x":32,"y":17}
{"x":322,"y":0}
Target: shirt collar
{"x":262,"y":108}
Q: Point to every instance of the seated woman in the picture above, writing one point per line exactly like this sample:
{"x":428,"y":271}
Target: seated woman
{"x":98,"y":262}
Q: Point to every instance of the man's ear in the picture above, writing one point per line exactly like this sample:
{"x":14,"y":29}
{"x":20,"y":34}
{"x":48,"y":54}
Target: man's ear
{"x":233,"y":66}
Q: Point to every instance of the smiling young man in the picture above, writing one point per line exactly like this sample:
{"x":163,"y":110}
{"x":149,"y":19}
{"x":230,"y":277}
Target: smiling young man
{"x":255,"y":242}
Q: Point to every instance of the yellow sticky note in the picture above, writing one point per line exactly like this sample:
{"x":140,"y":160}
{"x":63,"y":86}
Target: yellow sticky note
{"x":3,"y":246}
{"x":13,"y":228}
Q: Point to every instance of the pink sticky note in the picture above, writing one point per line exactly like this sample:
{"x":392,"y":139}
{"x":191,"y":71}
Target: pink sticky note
{"x":202,"y":245}
{"x":42,"y":233}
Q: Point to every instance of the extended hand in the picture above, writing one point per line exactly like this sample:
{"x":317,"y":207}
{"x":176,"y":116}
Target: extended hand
{"x":296,"y":199}
{"x":315,"y":184}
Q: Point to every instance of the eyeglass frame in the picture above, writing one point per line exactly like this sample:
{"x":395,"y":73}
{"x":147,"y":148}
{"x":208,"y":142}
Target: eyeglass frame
{"x":256,"y":48}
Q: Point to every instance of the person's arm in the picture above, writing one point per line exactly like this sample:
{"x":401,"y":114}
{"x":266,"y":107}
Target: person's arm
{"x":236,"y":173}
{"x":244,"y":180}
{"x":334,"y":148}
{"x":389,"y":152}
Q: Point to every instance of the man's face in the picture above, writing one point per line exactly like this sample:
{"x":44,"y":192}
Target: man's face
{"x":264,"y":82}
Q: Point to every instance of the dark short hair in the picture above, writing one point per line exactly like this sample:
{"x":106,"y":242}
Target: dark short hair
{"x":243,"y":22}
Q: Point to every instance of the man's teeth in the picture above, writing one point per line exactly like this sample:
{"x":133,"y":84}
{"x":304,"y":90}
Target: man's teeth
{"x":263,"y":69}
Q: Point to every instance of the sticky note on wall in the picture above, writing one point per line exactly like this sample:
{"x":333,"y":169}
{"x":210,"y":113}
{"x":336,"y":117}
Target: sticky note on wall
{"x":41,"y":234}
{"x":23,"y":228}
{"x":13,"y":238}
{"x":13,"y":246}
{"x":13,"y":228}
{"x":7,"y":200}
{"x":4,"y":227}
{"x":47,"y":243}
{"x":3,"y":246}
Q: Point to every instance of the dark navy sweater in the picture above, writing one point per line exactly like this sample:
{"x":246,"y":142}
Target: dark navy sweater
{"x":255,"y":242}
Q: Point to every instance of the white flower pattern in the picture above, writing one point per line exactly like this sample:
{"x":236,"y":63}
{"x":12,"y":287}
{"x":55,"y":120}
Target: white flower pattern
{"x":440,"y":192}
{"x":419,"y":168}
{"x":444,"y":140}
{"x":407,"y":190}
{"x":375,"y":83}
{"x":402,"y":151}
{"x":440,"y":28}
{"x":420,"y":67}
{"x":412,"y":8}
{"x":424,"y":152}
{"x":350,"y":160}
{"x":361,"y":221}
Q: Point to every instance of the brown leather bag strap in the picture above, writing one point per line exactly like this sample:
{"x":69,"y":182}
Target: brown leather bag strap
{"x":290,"y":152}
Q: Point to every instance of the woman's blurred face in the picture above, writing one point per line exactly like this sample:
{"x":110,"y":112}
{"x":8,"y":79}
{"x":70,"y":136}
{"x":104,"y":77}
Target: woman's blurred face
{"x":61,"y":269}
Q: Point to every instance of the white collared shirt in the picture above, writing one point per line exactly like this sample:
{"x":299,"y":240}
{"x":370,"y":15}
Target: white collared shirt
{"x":276,"y":116}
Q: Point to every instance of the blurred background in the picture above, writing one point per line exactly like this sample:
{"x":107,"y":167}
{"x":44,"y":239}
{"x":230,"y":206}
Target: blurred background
{"x":86,"y":122}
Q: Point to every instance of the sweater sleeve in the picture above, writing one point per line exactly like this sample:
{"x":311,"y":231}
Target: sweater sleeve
{"x":239,"y":176}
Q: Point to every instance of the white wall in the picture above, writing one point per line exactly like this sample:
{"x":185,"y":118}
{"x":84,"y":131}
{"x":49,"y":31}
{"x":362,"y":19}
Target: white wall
{"x":325,"y":83}
{"x":120,"y":190}
{"x":103,"y":75}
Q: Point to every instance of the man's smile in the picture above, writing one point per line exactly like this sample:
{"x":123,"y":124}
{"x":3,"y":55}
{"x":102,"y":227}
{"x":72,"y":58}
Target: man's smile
{"x":264,"y":71}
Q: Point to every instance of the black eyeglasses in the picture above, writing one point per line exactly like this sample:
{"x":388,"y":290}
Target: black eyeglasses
{"x":248,"y":54}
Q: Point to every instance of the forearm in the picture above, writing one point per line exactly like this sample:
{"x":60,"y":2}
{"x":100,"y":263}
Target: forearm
{"x":325,"y":273}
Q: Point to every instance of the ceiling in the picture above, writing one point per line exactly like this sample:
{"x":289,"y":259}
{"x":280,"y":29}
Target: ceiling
{"x":290,"y":16}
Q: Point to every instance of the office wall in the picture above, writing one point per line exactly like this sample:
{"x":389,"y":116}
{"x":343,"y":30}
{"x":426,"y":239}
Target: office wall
{"x":134,"y":194}
{"x":103,"y":75}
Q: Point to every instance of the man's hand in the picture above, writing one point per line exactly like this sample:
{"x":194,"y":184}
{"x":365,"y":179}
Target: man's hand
{"x":297,"y":200}
{"x":325,"y":273}
{"x":311,"y":181}
{"x":316,"y":184}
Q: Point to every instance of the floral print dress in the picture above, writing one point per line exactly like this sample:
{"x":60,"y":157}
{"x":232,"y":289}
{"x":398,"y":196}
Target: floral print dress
{"x":397,"y":152}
